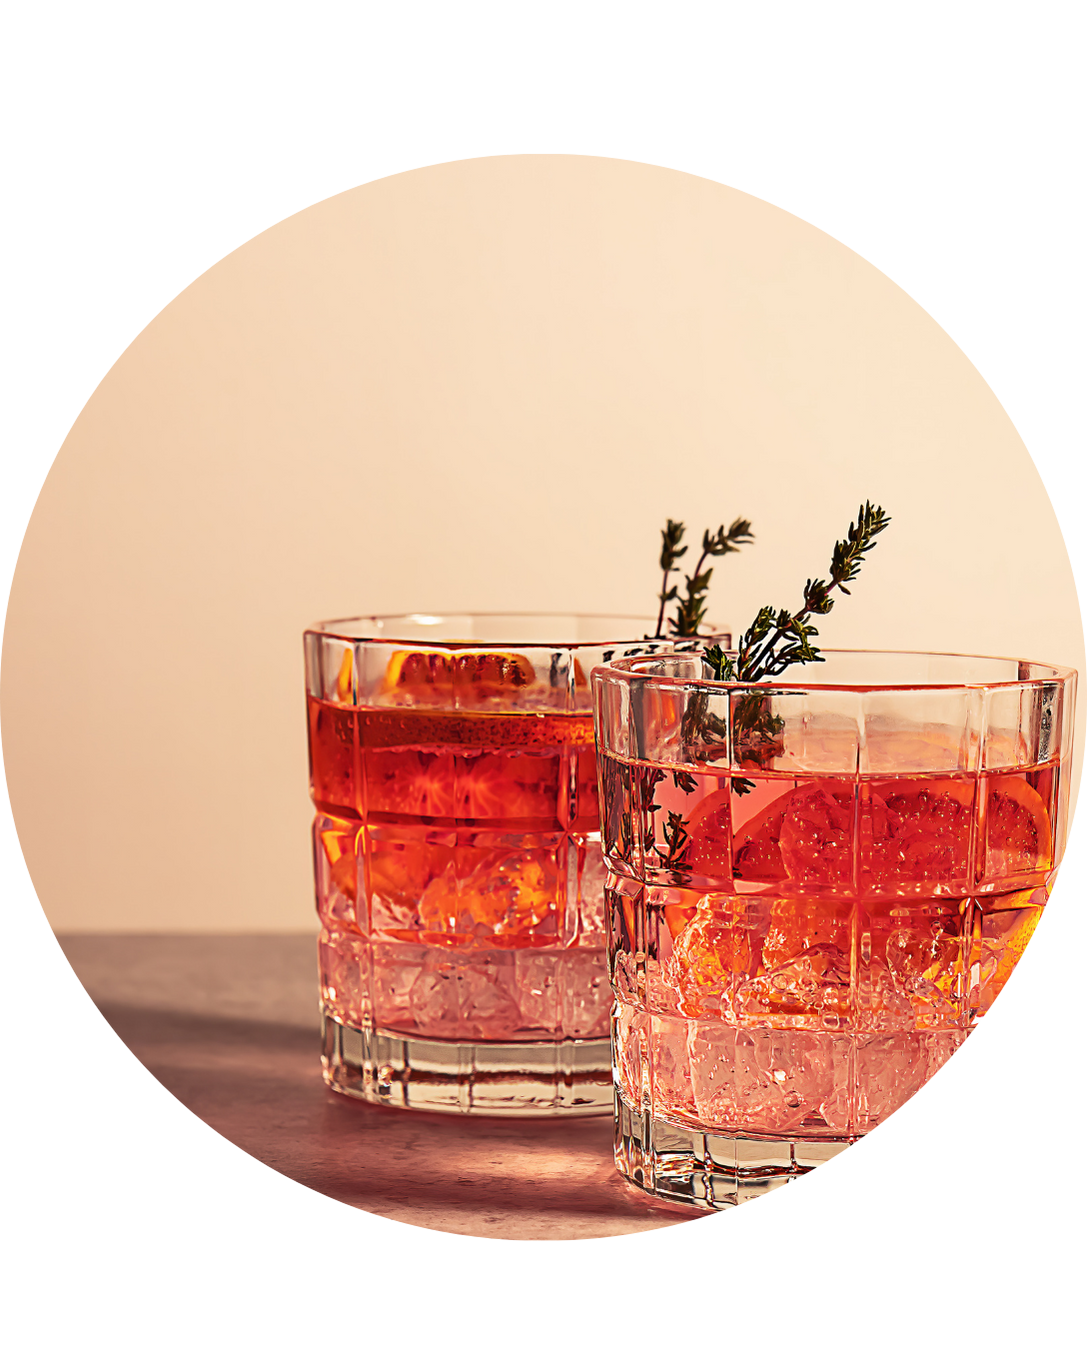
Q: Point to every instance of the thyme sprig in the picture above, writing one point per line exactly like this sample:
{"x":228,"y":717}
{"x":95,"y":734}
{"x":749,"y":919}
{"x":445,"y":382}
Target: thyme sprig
{"x":691,"y":609}
{"x":671,"y":552}
{"x":676,"y":837}
{"x":779,"y":639}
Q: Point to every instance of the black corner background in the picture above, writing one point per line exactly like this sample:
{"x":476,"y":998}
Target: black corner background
{"x":105,"y":235}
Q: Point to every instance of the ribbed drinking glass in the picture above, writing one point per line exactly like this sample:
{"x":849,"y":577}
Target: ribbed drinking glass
{"x":815,"y":889}
{"x":457,"y":859}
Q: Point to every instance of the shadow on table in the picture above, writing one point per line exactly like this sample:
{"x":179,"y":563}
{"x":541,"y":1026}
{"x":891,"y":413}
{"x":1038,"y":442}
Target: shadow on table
{"x":258,"y":1083}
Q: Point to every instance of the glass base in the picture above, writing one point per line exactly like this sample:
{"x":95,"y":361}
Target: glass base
{"x":709,"y":1171}
{"x":480,"y":1078}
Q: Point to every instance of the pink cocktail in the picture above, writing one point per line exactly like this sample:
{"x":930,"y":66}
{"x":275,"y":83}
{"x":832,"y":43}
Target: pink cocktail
{"x":814,"y":892}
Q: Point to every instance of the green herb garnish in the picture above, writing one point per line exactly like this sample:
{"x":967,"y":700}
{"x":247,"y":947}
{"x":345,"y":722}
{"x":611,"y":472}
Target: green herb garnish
{"x":777,"y":640}
{"x":691,"y":610}
{"x":676,"y":837}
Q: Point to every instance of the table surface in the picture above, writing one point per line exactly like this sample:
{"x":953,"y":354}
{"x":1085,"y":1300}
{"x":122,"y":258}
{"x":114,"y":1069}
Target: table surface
{"x":229,"y":1025}
{"x":227,"y":1028}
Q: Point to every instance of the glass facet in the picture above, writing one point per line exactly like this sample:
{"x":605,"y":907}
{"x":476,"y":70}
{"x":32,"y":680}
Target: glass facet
{"x":457,"y":859}
{"x":814,"y":890}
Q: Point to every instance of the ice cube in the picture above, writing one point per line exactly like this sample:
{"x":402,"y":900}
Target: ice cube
{"x":465,"y":995}
{"x":890,"y":1069}
{"x":584,"y":993}
{"x":343,"y":961}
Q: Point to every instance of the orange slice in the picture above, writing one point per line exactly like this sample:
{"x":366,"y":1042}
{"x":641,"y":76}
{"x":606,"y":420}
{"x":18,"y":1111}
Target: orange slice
{"x":708,"y":835}
{"x":496,"y":786}
{"x":817,"y":833}
{"x":415,"y":672}
{"x":804,"y":835}
{"x":410,"y":782}
{"x":430,"y":675}
{"x":1019,"y":836}
{"x":920,"y":831}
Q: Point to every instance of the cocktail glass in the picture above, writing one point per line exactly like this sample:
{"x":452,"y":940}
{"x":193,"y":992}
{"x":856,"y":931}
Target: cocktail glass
{"x":457,"y":858}
{"x":815,"y":889}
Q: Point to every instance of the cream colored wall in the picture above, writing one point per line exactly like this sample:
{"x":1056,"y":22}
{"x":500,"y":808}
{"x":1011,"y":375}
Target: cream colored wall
{"x":481,"y":385}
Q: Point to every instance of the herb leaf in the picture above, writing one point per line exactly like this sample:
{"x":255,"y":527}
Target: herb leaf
{"x":671,"y":536}
{"x":676,"y":837}
{"x":777,"y":640}
{"x":691,"y":609}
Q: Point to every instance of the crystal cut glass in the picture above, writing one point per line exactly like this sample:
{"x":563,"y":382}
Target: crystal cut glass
{"x":814,"y":890}
{"x":457,"y":859}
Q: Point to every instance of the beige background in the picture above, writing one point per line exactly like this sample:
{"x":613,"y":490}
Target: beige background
{"x":480,"y":385}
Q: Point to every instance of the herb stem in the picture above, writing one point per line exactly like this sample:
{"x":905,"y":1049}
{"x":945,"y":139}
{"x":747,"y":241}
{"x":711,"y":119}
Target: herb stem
{"x":671,"y":536}
{"x":759,"y":656}
{"x":705,"y":555}
{"x":660,"y":612}
{"x":751,"y":660}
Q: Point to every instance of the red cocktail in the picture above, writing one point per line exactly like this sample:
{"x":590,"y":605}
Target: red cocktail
{"x":457,"y":856}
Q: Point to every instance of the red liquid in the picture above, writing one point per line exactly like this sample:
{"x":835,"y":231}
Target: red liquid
{"x":459,"y":876}
{"x":805,"y":954}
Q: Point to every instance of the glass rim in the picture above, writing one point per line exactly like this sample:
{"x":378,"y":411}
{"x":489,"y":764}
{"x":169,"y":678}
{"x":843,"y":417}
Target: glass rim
{"x":620,"y":670}
{"x":330,"y":628}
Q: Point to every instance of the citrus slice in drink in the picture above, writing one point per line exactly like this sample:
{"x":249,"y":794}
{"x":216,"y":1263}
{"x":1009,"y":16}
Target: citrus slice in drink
{"x":433,"y":676}
{"x":916,"y":833}
{"x":344,"y":678}
{"x":416,"y":670}
{"x":481,"y":675}
{"x":411,"y":783}
{"x":708,"y":828}
{"x":803,"y":835}
{"x":816,"y":836}
{"x":500,"y":786}
{"x":1018,"y":834}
